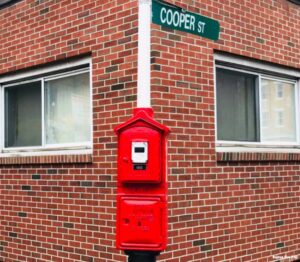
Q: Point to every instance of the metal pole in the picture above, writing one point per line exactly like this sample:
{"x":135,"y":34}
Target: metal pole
{"x":144,"y":50}
{"x":141,"y":256}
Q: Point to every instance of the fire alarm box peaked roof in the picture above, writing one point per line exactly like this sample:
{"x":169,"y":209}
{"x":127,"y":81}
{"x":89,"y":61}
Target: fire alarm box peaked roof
{"x":142,"y":116}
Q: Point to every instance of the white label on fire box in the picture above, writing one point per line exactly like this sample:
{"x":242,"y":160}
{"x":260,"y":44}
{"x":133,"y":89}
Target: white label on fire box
{"x":139,"y":152}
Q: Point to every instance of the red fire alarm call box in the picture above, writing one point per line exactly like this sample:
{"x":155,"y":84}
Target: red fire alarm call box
{"x":142,"y":183}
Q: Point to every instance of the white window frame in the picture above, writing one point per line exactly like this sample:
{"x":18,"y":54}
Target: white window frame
{"x":262,"y":71}
{"x":69,"y":69}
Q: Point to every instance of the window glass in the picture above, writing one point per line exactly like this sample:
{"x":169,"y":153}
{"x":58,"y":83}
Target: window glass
{"x":279,"y":89}
{"x":23,"y":115}
{"x":297,"y":2}
{"x":3,"y":2}
{"x":243,"y":115}
{"x":48,"y":112}
{"x":67,"y":107}
{"x":280,"y":112}
{"x":236,"y":106}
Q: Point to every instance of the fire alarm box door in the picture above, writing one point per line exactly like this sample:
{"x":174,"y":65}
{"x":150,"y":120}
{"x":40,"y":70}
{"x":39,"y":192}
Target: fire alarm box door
{"x":140,"y":155}
{"x":141,"y":223}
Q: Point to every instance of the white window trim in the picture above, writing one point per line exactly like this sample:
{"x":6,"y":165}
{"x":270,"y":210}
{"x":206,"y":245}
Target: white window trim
{"x":44,"y":150}
{"x":294,"y":75}
{"x":256,"y":65}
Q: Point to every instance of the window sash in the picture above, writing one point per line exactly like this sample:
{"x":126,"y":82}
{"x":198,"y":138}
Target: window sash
{"x":259,"y":110}
{"x":68,"y":119}
{"x":237,"y":95}
{"x":44,"y":146}
{"x":22,"y":121}
{"x":296,"y":109}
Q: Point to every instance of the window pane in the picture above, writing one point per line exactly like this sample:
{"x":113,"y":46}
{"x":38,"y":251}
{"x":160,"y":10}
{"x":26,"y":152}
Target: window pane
{"x":236,"y":106}
{"x":3,"y":2}
{"x":67,"y":107}
{"x":278,"y":107}
{"x":23,"y":115}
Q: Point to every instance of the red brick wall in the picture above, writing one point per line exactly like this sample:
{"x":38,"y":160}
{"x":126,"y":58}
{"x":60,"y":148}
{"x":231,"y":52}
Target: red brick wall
{"x":62,"y":208}
{"x":220,"y":208}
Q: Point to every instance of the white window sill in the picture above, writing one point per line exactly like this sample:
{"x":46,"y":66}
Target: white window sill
{"x":257,"y":149}
{"x":262,"y":153}
{"x":56,"y":152}
{"x":47,"y":157}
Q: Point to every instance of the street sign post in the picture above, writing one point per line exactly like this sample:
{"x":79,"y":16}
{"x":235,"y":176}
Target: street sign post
{"x":179,"y":19}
